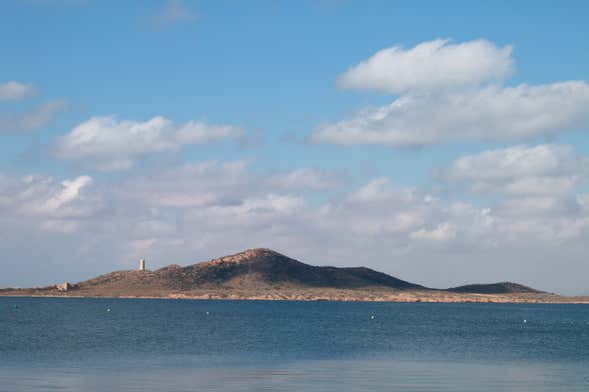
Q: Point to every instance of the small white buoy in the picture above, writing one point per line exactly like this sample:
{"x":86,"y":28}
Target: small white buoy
{"x":108,"y":310}
{"x":525,"y":321}
{"x":208,"y":313}
{"x":372,"y":317}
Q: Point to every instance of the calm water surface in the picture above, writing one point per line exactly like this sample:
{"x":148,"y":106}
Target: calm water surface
{"x":51,"y":344}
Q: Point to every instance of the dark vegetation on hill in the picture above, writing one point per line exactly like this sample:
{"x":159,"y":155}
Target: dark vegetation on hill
{"x":255,"y":268}
{"x":494,"y":288}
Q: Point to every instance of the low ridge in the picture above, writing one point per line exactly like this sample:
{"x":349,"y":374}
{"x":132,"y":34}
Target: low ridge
{"x":494,"y":288}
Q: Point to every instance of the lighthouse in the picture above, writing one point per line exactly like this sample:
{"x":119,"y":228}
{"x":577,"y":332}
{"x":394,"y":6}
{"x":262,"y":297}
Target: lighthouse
{"x":142,"y":265}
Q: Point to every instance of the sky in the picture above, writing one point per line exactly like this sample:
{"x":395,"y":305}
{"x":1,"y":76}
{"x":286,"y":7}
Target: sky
{"x":441,"y":142}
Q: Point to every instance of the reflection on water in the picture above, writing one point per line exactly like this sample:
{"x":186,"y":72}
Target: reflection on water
{"x":342,"y":375}
{"x":158,"y":345}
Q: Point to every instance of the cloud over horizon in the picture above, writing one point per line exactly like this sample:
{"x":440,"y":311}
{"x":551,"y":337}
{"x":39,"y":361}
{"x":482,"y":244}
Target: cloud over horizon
{"x":519,"y":170}
{"x":213,"y":208}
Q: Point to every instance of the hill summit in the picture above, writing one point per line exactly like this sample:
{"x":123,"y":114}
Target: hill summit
{"x":251,"y":269}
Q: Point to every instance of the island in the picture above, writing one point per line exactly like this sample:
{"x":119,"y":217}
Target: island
{"x":263,"y":274}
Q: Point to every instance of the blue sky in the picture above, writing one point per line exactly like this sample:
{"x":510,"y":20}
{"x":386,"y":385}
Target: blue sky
{"x":270,"y":70}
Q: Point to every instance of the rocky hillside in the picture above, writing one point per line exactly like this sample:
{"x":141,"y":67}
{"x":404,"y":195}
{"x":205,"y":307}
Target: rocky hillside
{"x":254,"y":268}
{"x":265,"y":274}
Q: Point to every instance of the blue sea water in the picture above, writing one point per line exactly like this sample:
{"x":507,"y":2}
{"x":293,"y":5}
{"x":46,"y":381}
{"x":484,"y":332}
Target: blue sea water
{"x":56,"y":344}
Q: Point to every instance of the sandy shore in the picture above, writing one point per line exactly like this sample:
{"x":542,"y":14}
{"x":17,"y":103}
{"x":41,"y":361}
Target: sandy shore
{"x":314,"y":294}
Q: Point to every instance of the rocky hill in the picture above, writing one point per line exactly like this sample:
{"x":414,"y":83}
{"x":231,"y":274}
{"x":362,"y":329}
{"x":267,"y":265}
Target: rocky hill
{"x":251,"y":269}
{"x":266,"y":274}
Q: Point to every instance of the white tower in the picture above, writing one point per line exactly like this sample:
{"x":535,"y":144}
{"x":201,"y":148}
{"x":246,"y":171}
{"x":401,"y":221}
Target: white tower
{"x":142,"y":265}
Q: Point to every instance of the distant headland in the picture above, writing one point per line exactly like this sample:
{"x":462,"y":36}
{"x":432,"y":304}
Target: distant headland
{"x":263,"y":274}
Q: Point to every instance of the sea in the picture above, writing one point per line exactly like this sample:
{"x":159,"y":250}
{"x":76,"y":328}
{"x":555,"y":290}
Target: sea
{"x":142,"y":345}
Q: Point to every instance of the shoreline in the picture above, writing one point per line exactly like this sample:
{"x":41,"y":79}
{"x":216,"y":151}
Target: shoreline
{"x":402,"y":298}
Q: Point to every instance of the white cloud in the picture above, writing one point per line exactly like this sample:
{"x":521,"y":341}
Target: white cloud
{"x":15,"y":91}
{"x":452,"y":92}
{"x":492,"y":113}
{"x":443,"y":232}
{"x":200,"y":133}
{"x":221,"y":184}
{"x":109,"y":144}
{"x":432,"y":65}
{"x":306,"y":179}
{"x":539,"y":206}
{"x":376,"y":209}
{"x":32,"y":119}
{"x":521,"y":170}
{"x":48,"y":201}
{"x":70,"y":192}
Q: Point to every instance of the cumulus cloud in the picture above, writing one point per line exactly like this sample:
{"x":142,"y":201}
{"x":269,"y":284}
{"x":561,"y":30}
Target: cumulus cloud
{"x":306,"y":179}
{"x":443,"y":232}
{"x":377,"y":208}
{"x":32,"y":119}
{"x":432,"y":65}
{"x":492,"y":113}
{"x":15,"y":91}
{"x":521,"y":170}
{"x":48,"y":203}
{"x":221,"y":184}
{"x":70,"y":191}
{"x":408,"y":219}
{"x":109,"y":144}
{"x":449,"y":92}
